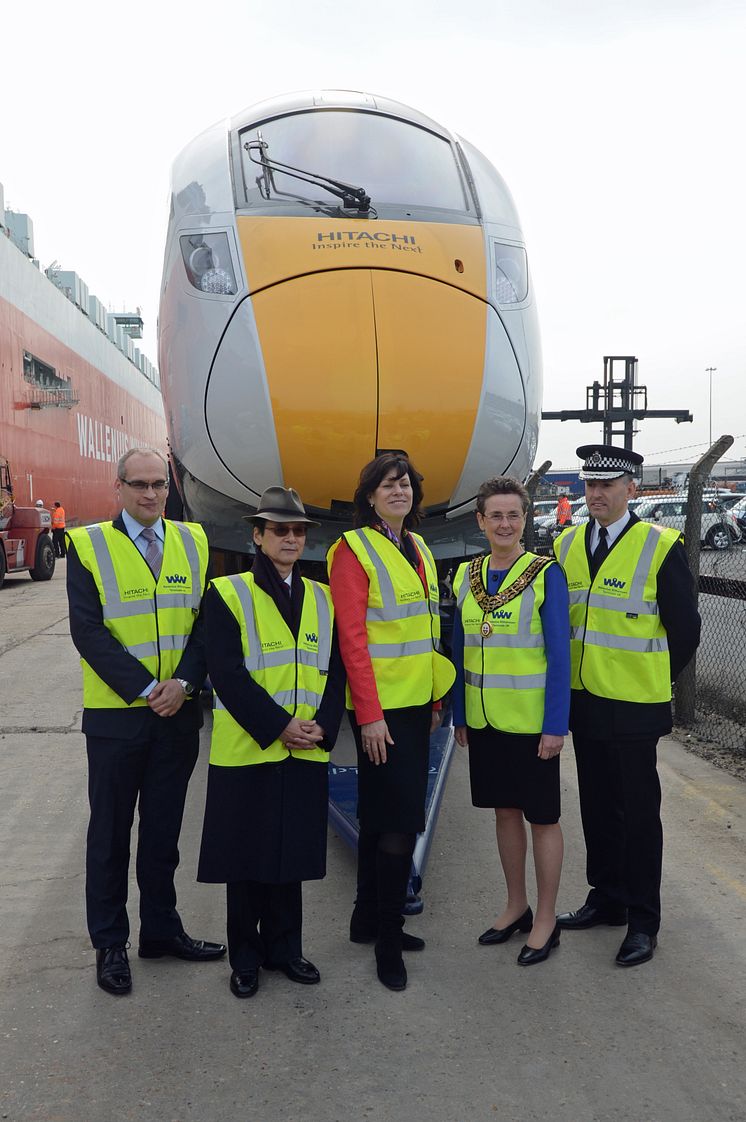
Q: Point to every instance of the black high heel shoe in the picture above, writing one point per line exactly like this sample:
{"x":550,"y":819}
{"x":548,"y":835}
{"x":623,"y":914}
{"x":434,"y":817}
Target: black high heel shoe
{"x":500,"y":934}
{"x":530,"y":955}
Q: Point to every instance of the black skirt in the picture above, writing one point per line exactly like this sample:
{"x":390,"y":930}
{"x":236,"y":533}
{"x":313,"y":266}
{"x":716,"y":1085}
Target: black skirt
{"x":391,"y":796}
{"x":505,"y":771}
{"x":265,"y":823}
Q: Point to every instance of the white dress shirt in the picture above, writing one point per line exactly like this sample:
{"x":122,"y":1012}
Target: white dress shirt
{"x":613,"y":531}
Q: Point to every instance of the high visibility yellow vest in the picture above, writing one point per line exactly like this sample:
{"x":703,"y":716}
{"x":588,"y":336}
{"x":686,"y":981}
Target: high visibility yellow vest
{"x":152,"y":621}
{"x":618,"y":645}
{"x":504,"y":672}
{"x":292,"y":672}
{"x":402,"y":622}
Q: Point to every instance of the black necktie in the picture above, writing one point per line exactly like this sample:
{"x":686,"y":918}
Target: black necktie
{"x":602,"y":549}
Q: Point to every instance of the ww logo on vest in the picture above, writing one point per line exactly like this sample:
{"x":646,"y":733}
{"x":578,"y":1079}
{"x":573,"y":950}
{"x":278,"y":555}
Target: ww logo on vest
{"x":614,"y":582}
{"x":311,"y":637}
{"x":175,"y":578}
{"x":501,"y":614}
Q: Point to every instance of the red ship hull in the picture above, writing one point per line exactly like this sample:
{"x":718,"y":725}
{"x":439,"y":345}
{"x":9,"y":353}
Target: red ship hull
{"x":64,"y":445}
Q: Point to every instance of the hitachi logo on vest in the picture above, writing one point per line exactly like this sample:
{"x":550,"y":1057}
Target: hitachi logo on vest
{"x":175,"y":578}
{"x":613,"y":582}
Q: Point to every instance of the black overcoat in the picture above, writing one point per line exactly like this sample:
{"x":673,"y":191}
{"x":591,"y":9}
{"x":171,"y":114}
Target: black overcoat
{"x":264,"y":822}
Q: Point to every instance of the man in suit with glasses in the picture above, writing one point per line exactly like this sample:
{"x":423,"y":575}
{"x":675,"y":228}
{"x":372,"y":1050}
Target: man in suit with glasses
{"x":135,"y":588}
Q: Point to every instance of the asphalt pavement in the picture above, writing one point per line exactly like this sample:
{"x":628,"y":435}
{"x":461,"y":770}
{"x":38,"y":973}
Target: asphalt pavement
{"x":474,"y":1036}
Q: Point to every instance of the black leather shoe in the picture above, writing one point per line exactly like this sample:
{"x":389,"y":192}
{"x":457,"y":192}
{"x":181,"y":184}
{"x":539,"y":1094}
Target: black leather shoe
{"x":590,"y":916}
{"x":500,"y":934}
{"x":181,"y":946}
{"x":297,"y":970}
{"x":244,"y":983}
{"x":113,"y":970}
{"x":531,"y":955}
{"x":636,"y":948}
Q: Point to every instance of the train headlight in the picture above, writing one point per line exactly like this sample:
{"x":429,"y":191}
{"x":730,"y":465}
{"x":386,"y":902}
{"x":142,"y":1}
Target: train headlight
{"x":207,"y":259}
{"x":511,"y":274}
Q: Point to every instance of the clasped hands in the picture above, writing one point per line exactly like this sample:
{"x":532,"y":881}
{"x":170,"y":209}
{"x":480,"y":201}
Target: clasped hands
{"x":166,"y":698}
{"x":302,"y":736}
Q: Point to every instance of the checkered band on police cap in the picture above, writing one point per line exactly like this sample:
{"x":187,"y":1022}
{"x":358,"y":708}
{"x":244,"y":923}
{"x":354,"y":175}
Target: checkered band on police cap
{"x":604,"y":461}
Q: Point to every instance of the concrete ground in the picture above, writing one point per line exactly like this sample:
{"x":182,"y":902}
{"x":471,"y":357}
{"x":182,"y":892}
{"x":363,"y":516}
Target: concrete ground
{"x":473,"y":1037}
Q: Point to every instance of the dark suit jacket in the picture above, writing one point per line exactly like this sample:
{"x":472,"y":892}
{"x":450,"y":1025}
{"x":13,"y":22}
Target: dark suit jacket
{"x":124,"y":674}
{"x":602,"y":718}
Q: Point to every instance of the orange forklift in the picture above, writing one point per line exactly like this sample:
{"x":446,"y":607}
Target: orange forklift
{"x":25,"y":534}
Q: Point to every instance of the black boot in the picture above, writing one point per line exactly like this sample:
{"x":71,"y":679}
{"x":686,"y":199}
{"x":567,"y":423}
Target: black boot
{"x":364,"y":919}
{"x":393,"y":877}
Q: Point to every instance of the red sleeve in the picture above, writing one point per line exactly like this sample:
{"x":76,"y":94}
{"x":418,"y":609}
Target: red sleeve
{"x":349,"y":588}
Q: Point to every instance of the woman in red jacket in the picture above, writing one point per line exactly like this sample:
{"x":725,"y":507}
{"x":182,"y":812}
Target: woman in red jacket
{"x":385,"y":591}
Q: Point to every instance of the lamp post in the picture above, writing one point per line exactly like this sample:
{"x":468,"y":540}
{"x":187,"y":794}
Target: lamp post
{"x":711,"y":370}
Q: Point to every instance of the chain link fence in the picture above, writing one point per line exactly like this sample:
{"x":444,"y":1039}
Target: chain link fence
{"x":709,"y":699}
{"x":715,"y":714}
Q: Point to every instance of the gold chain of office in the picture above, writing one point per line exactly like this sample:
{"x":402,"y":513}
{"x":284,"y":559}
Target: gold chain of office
{"x":491,"y":603}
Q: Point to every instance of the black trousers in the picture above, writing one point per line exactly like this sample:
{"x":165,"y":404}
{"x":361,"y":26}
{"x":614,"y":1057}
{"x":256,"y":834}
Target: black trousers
{"x":264,"y":923}
{"x":151,"y":772}
{"x":58,"y":541}
{"x":620,"y":800}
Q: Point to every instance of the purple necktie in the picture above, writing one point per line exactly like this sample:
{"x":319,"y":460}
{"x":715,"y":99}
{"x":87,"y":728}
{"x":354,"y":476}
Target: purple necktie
{"x":153,"y":554}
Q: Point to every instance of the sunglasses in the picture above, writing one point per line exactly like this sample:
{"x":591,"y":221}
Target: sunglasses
{"x":282,"y":529}
{"x":141,"y":485}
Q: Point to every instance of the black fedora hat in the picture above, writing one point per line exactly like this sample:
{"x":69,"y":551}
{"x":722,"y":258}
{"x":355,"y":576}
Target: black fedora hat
{"x":281,"y":504}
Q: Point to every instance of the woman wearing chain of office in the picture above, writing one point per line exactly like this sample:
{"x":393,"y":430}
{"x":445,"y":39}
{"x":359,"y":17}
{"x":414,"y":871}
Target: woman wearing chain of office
{"x":511,"y":647}
{"x":385,"y":590}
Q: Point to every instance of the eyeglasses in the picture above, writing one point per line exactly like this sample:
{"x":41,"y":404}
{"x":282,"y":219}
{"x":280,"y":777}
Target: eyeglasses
{"x":513,"y":516}
{"x":281,"y":529}
{"x":141,"y":485}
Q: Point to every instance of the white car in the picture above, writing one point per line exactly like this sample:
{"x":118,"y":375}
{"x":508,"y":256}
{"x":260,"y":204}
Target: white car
{"x":719,"y":527}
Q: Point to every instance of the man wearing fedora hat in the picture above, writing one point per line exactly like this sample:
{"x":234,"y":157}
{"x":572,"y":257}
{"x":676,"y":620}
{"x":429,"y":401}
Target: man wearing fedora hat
{"x":634,"y":627}
{"x":279,"y":682}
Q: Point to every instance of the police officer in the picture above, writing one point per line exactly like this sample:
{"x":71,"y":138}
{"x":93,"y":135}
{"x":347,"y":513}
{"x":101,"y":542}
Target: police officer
{"x":279,"y":685}
{"x":134,"y":587}
{"x":634,"y":627}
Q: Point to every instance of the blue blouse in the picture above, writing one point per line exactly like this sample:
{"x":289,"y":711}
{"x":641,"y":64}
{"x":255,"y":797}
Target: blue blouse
{"x":555,"y":622}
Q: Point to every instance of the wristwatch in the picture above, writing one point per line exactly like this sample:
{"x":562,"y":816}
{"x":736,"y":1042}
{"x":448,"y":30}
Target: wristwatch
{"x":187,"y":687}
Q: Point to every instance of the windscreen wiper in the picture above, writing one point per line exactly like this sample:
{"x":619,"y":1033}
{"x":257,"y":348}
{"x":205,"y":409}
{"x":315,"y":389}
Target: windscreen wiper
{"x":353,"y":198}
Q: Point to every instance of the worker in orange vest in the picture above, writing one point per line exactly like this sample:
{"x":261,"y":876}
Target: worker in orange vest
{"x":58,"y":529}
{"x":564,"y":511}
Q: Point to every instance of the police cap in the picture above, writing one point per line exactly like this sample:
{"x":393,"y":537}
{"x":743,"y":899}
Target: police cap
{"x":604,"y":461}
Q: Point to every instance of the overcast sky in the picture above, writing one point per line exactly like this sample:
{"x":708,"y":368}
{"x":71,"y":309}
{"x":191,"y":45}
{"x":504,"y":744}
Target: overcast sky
{"x":618,"y":125}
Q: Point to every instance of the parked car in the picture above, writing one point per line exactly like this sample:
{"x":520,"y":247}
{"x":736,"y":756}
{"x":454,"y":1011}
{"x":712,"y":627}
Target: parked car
{"x":739,"y":511}
{"x":719,"y":527}
{"x":544,"y":508}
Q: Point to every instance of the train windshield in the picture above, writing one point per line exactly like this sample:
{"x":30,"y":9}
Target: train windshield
{"x":398,"y":164}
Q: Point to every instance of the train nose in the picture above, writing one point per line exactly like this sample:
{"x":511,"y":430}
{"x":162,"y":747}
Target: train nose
{"x":359,"y":360}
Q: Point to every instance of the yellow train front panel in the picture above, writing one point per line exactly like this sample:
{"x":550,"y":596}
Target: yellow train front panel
{"x":367,"y":331}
